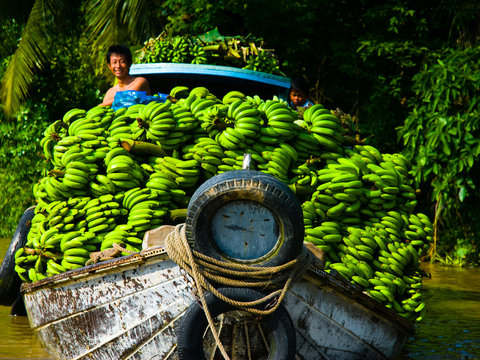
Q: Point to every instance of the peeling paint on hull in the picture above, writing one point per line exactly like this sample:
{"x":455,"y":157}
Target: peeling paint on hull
{"x":335,"y":322}
{"x":128,"y":308}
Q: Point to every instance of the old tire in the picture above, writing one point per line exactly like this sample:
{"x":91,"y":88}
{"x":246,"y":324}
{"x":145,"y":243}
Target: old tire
{"x":9,"y":280}
{"x":245,"y":216}
{"x":192,"y":326}
{"x":18,"y":307}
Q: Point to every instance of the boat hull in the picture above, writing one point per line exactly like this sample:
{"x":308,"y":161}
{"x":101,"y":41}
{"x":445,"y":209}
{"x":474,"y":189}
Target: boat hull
{"x":335,"y":322}
{"x":121,"y":309}
{"x":128,"y":308}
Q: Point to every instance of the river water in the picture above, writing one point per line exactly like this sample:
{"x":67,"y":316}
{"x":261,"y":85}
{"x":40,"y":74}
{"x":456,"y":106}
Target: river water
{"x":450,"y":329}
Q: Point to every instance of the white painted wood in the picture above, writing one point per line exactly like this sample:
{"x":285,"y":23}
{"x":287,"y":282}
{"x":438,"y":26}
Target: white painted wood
{"x":113,"y":312}
{"x":128,"y":309}
{"x":331,"y":324}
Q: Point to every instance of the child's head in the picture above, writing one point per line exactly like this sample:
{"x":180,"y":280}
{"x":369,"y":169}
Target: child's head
{"x":298,"y":91}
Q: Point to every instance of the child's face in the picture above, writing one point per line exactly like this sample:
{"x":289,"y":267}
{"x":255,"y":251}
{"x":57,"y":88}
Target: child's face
{"x":297,"y":97}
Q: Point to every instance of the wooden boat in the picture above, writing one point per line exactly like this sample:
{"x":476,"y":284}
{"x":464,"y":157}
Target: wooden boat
{"x":129,"y":308}
{"x":132,"y":307}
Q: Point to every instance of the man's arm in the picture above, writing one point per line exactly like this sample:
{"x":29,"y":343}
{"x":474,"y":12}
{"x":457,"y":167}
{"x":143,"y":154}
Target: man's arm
{"x":108,"y":99}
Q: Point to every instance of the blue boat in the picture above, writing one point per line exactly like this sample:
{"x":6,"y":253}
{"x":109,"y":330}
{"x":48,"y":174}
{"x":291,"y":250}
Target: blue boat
{"x":218,"y":79}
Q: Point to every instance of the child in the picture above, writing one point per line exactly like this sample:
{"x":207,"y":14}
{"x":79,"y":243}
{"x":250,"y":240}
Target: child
{"x":299,"y":93}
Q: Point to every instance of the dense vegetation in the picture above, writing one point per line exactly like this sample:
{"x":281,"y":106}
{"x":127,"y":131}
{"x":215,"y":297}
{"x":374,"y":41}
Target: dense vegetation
{"x":406,"y":71}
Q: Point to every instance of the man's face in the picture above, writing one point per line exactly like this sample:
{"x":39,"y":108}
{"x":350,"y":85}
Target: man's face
{"x":119,"y":65}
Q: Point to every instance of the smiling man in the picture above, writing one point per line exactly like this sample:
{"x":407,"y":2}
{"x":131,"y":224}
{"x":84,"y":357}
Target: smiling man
{"x":119,"y":60}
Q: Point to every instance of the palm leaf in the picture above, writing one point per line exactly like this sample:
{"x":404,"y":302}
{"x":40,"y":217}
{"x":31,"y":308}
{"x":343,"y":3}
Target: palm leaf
{"x":103,"y":23}
{"x":137,"y":16}
{"x":119,"y":21}
{"x":101,"y":17}
{"x":31,"y":54}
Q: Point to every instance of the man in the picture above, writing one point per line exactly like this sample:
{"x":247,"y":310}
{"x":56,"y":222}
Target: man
{"x":119,"y":60}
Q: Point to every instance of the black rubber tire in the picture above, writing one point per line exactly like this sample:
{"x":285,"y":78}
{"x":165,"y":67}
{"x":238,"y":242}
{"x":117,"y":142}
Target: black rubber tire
{"x":192,"y":326}
{"x":18,"y":307}
{"x":9,"y":281}
{"x":246,"y":185}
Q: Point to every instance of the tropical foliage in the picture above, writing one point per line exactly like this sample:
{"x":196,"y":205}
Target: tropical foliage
{"x":442,"y":135}
{"x":19,"y":161}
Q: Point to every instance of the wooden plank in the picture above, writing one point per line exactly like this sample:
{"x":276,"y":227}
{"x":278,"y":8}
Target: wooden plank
{"x":337,"y":327}
{"x":93,"y":289}
{"x":129,"y":308}
{"x":104,"y":318}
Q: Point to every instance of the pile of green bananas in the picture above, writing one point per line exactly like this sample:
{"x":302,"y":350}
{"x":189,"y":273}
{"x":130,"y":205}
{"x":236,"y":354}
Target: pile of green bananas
{"x":361,"y":215}
{"x":231,"y":51}
{"x":117,"y":174}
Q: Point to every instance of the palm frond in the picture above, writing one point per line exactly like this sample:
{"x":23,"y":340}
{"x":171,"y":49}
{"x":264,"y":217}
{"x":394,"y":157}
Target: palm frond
{"x":102,"y":22}
{"x":115,"y":22}
{"x":136,"y":15}
{"x":101,"y":18}
{"x":118,"y":21}
{"x":31,"y":54}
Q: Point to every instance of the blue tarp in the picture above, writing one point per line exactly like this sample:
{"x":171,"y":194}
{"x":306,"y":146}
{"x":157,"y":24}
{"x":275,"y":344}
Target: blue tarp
{"x":128,"y":98}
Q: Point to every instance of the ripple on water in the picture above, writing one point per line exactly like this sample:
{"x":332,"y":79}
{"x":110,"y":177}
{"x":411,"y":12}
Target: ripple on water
{"x":18,"y":340}
{"x":450,"y":329}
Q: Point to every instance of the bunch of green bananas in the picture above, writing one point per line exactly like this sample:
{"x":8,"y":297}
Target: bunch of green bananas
{"x":52,"y":134}
{"x":264,"y":61}
{"x":237,"y":52}
{"x":198,"y":54}
{"x":156,"y":50}
{"x":358,"y":203}
{"x":279,"y":120}
{"x":49,"y":249}
{"x":146,"y":210}
{"x":376,"y":236}
{"x":123,"y":170}
{"x":379,"y":258}
{"x":179,"y":92}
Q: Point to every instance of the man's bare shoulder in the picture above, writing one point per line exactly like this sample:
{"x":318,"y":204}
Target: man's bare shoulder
{"x":141,"y":84}
{"x":141,"y":80}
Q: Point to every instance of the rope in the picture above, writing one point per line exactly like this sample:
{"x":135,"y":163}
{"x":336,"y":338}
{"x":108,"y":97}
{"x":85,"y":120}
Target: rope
{"x":204,"y":269}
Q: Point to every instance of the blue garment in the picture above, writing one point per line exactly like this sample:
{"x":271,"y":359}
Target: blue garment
{"x":126,"y":98}
{"x":306,"y":104}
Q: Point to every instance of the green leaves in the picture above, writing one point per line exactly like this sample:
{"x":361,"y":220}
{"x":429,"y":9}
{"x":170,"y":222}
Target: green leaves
{"x":20,"y":163}
{"x":31,"y":54}
{"x":442,"y":131}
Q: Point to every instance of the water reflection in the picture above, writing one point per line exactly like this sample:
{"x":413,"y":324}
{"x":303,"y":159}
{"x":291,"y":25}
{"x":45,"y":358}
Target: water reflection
{"x":18,"y":341}
{"x":451,"y":328}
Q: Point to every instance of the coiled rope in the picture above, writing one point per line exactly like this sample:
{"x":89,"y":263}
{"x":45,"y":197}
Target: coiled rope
{"x":205,"y":269}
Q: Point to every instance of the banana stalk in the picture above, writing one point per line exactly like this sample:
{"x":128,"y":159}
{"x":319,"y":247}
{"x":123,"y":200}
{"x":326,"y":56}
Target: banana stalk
{"x":142,"y":148}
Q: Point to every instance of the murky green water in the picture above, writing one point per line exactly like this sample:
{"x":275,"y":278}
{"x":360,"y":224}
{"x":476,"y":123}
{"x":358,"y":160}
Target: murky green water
{"x":17,"y":340}
{"x":450,"y":329}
